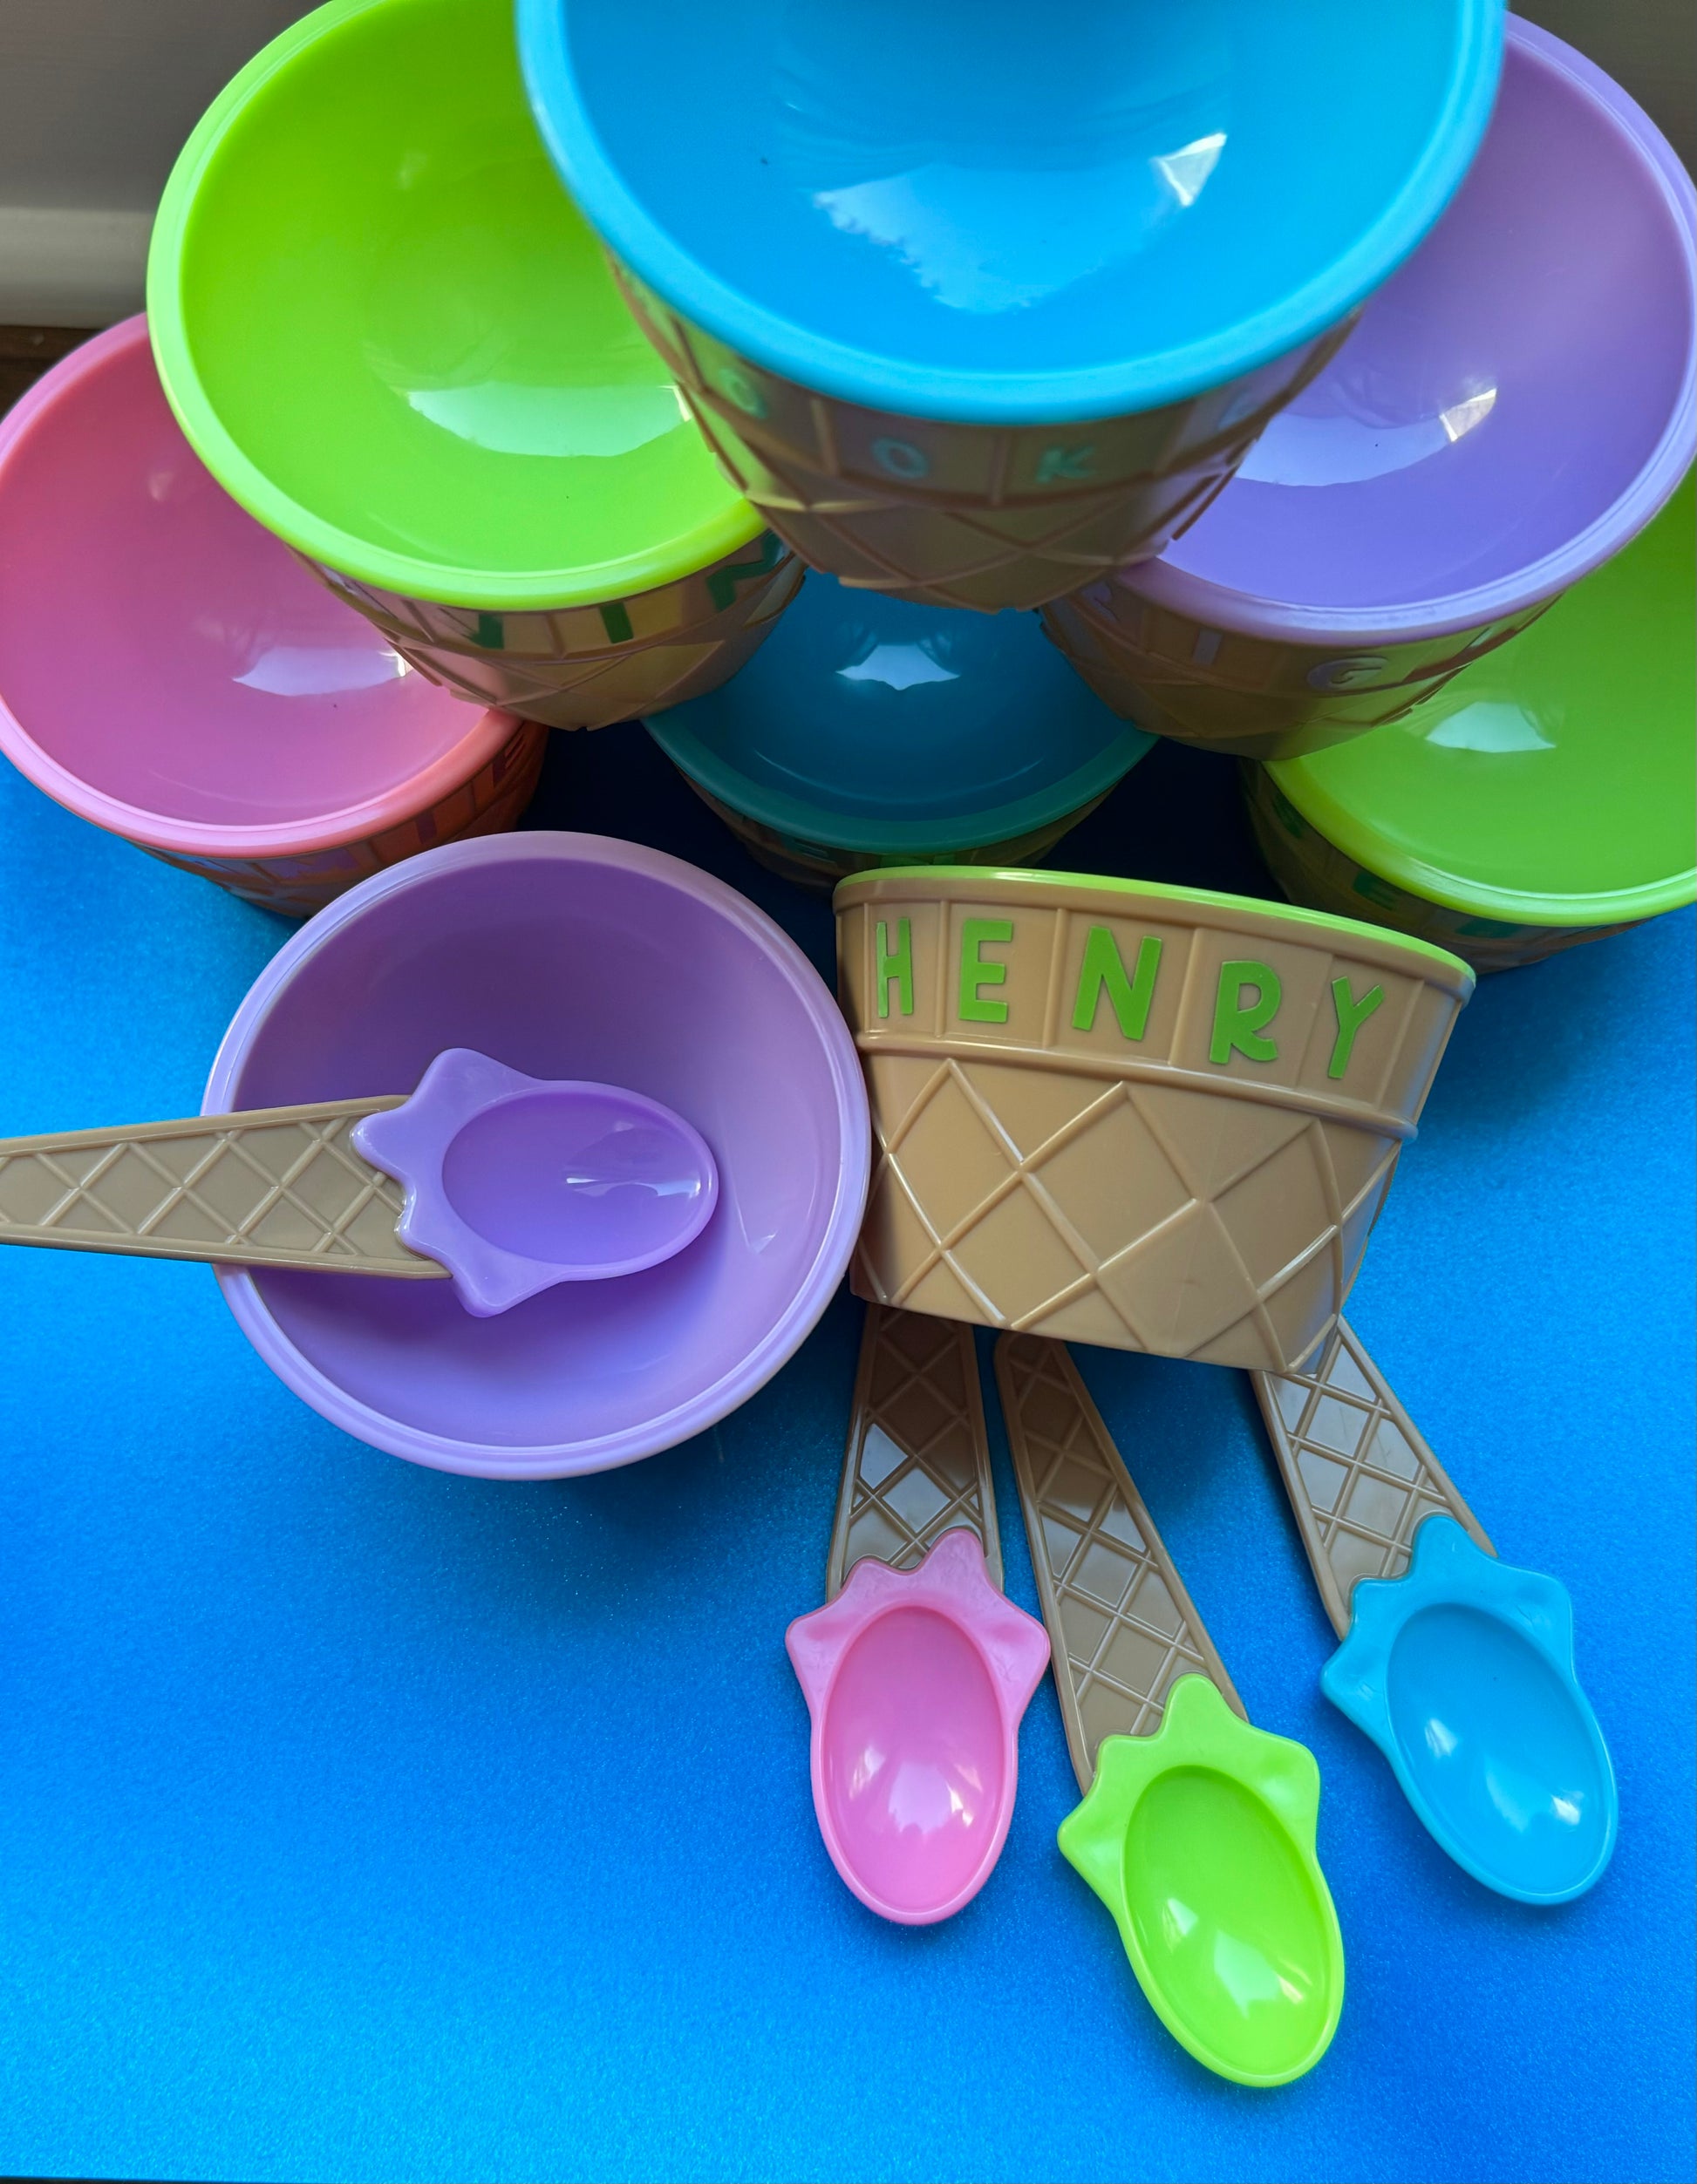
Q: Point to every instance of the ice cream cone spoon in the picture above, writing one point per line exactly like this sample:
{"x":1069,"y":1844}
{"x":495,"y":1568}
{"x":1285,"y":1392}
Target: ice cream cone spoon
{"x":1459,"y":1668}
{"x":916,"y":1672}
{"x":505,"y":1184}
{"x":1197,"y":1830}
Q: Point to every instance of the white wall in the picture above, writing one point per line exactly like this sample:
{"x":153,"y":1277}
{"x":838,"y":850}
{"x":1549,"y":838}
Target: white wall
{"x":97,"y":95}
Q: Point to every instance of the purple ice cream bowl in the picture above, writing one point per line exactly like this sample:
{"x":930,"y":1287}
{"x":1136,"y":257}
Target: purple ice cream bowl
{"x":1515,"y":404}
{"x":564,"y":955}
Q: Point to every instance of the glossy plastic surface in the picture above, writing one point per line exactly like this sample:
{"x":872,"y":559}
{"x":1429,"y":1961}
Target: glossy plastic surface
{"x":916,"y":1681}
{"x":871,"y":724}
{"x":1200,"y":1840}
{"x":1461,"y":1672}
{"x":953,"y":213}
{"x":389,"y":334}
{"x":1554,"y":782}
{"x":565,"y":956}
{"x":1513,"y":406}
{"x":167,"y":668}
{"x":513,"y":1183}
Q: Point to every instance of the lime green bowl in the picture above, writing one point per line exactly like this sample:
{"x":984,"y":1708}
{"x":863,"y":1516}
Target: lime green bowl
{"x":1546,"y":796}
{"x":390,"y":335}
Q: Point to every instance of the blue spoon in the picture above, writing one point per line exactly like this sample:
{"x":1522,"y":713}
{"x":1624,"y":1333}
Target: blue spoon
{"x":1458,"y":1667}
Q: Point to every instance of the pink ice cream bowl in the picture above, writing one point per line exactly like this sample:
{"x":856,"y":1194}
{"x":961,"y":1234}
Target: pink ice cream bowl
{"x":916,"y":1681}
{"x":169,"y":671}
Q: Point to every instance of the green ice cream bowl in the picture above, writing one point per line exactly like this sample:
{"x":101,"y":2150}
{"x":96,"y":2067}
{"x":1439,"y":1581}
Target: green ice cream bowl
{"x":388,"y":332}
{"x":1545,"y":796}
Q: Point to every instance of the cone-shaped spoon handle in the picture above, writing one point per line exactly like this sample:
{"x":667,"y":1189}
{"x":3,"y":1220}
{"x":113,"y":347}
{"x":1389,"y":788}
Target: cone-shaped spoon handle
{"x":272,"y":1186}
{"x":1122,"y":1628}
{"x":918,"y":1462}
{"x":1361,"y":1480}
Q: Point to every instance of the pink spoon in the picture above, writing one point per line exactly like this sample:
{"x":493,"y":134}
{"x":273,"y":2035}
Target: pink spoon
{"x":917,"y":1678}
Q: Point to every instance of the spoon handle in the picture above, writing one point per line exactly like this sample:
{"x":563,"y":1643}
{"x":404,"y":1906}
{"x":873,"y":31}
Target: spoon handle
{"x":1361,"y":1480}
{"x":1122,"y":1627}
{"x":917,"y":1461}
{"x":272,"y":1186}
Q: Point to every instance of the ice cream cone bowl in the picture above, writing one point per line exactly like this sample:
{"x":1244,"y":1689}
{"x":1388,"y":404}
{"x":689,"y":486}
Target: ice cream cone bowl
{"x":1453,"y":469}
{"x":407,"y":358}
{"x":224,"y":714}
{"x":969,"y":324}
{"x":1150,"y":1118}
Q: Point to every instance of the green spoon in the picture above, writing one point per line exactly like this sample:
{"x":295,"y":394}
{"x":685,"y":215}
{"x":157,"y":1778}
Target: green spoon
{"x":1197,"y":1830}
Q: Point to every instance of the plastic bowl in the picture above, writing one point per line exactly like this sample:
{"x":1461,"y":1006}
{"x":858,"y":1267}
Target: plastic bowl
{"x":874,"y":732}
{"x":170,"y":671}
{"x":389,"y":334}
{"x":1152,"y":1117}
{"x":843,"y":218}
{"x":1512,"y":408}
{"x":564,"y":955}
{"x":1548,"y":796}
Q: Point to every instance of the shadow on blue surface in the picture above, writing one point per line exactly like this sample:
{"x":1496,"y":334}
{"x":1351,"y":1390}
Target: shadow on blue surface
{"x":358,"y":1821}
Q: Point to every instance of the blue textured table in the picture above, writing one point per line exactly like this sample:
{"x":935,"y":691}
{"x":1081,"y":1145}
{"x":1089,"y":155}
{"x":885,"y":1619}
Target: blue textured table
{"x":358,"y":1821}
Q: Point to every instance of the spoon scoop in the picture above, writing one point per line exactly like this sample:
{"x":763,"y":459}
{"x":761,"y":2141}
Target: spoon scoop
{"x":1197,"y":1830}
{"x":918,"y":1671}
{"x":1459,"y":1668}
{"x":504,"y":1183}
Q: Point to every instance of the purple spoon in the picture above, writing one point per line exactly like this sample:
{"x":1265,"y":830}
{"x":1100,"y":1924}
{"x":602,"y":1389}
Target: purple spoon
{"x":509,"y":1184}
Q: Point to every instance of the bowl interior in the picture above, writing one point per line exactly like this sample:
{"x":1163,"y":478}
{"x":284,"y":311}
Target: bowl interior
{"x":566,"y":967}
{"x":401,"y":320}
{"x":168,"y":652}
{"x":898,"y":717}
{"x":1501,"y":392}
{"x":1555,"y":775}
{"x":962,"y":187}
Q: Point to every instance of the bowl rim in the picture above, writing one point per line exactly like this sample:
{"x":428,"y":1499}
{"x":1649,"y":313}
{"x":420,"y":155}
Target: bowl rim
{"x":708,"y":768}
{"x":1252,"y":614}
{"x":951,"y":882}
{"x":487,"y":731}
{"x":578,"y":584}
{"x":960,"y":396}
{"x":840,"y":1230}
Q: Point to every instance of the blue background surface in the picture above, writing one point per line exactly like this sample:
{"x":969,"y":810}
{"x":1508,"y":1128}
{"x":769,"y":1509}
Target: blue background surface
{"x":358,"y":1821}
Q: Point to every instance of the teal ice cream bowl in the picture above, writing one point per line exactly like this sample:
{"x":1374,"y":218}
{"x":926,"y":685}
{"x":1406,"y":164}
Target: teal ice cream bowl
{"x":869,"y":731}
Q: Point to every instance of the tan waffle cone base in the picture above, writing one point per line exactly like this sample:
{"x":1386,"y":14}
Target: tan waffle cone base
{"x":1360,"y":1479}
{"x":964,"y":515}
{"x":275,"y":1186}
{"x":1122,"y":1627}
{"x":1252,"y":695}
{"x":1079,"y":1182}
{"x":1314,"y":871}
{"x":818,"y":866}
{"x":918,"y":1462}
{"x":587,"y":667}
{"x":491,"y":802}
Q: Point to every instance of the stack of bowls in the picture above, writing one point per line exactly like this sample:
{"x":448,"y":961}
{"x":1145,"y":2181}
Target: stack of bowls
{"x":974,"y":315}
{"x":874,"y":730}
{"x":388,"y":333}
{"x":1513,"y":407}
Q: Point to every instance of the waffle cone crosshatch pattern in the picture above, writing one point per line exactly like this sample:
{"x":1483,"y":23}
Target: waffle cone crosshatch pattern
{"x":965,"y":515}
{"x":1146,"y":1118}
{"x":1359,"y":1475}
{"x":588,"y":667}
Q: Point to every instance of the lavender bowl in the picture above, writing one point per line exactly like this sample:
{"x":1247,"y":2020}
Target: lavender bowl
{"x":564,"y":956}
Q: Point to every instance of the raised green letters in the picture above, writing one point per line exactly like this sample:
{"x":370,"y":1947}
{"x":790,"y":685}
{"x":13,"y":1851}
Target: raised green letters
{"x":1351,"y":1015}
{"x":1102,"y":971}
{"x":976,"y":973}
{"x":1239,"y":1027}
{"x":896,"y":966}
